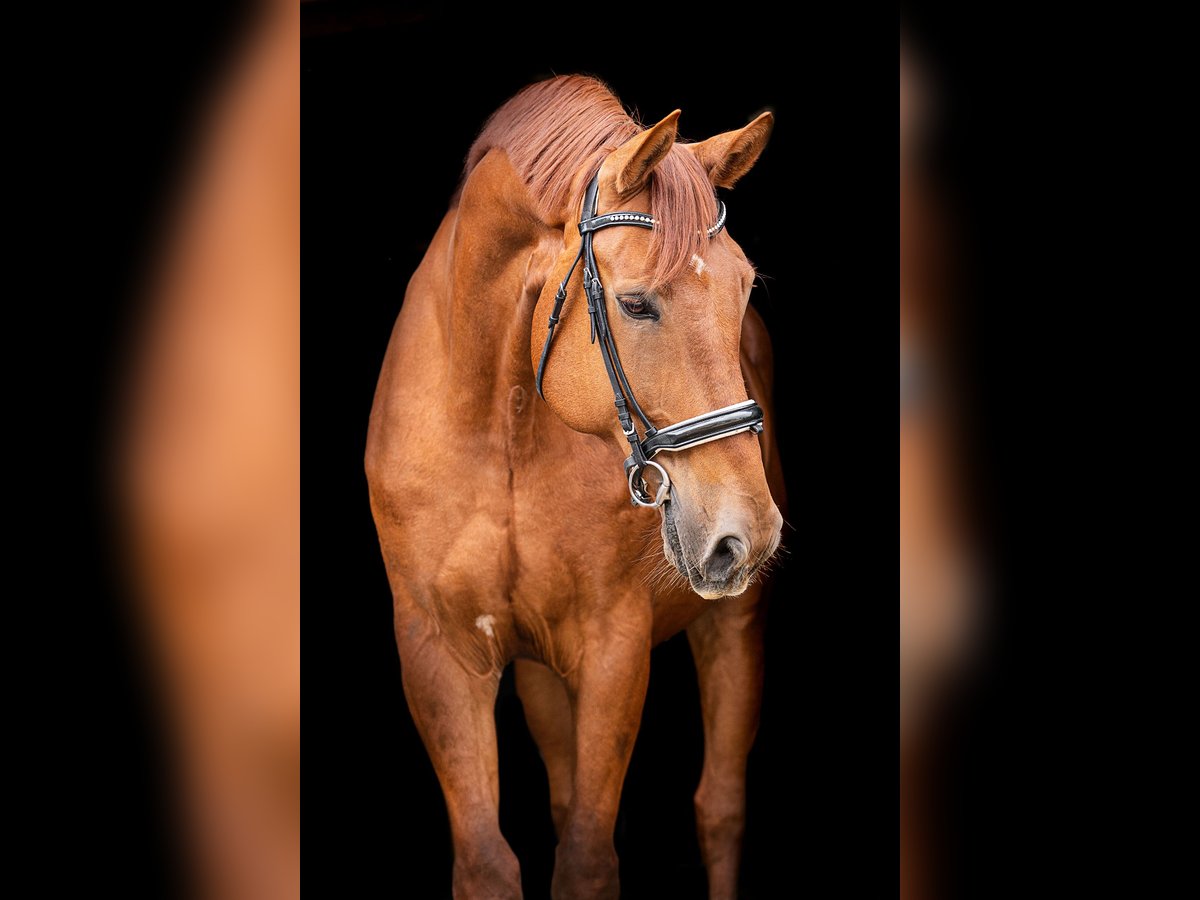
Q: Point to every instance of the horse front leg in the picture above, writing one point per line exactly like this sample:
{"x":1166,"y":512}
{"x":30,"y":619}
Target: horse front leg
{"x":608,"y":689}
{"x":727,"y":646}
{"x":548,"y":715}
{"x":454,"y":711}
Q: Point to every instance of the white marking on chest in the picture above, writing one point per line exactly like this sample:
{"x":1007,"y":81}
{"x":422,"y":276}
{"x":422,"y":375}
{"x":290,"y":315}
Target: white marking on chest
{"x":485,"y":623}
{"x":698,"y":264}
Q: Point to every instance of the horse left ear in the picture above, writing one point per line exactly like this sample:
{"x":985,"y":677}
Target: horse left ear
{"x":729,"y":156}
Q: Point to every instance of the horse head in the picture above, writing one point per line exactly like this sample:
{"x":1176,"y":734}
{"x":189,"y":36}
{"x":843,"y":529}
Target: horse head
{"x":673,"y":297}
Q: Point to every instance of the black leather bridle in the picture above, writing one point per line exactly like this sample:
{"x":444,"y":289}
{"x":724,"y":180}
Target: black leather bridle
{"x":709,"y":426}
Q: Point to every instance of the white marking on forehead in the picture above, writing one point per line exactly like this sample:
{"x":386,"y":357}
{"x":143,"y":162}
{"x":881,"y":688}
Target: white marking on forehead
{"x":698,"y":264}
{"x":485,"y":623}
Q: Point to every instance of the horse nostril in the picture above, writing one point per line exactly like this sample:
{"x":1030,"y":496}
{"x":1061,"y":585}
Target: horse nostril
{"x":727,"y":554}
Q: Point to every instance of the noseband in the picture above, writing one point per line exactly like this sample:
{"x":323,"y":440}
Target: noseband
{"x":709,"y":426}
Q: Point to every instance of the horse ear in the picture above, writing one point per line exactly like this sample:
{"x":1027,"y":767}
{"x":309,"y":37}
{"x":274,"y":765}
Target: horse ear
{"x":632,"y":162}
{"x":729,"y":156}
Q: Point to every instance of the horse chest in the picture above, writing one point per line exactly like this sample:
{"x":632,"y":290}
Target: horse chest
{"x":530,"y":534}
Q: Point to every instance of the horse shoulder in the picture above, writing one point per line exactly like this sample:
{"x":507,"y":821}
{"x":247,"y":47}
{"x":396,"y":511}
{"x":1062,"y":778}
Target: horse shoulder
{"x":758,"y":357}
{"x":758,"y":370}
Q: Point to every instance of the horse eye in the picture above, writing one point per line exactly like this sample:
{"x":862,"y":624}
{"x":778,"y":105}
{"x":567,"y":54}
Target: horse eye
{"x":637,"y":307}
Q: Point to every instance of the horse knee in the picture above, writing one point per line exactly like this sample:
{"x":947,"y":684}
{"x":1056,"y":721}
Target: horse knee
{"x":491,"y":874}
{"x":720,"y":816}
{"x":585,"y":872}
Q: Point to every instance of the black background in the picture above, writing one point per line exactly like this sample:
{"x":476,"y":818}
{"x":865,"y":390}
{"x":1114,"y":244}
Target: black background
{"x":1060,"y":299}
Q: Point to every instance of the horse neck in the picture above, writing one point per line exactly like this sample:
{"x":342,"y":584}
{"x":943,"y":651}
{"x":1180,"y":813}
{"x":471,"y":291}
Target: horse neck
{"x":499,"y":256}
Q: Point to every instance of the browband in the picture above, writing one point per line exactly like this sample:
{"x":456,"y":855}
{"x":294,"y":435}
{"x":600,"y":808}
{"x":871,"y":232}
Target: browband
{"x":709,"y":426}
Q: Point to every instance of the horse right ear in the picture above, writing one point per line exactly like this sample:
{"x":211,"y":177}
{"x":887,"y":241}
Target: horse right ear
{"x":632,"y":162}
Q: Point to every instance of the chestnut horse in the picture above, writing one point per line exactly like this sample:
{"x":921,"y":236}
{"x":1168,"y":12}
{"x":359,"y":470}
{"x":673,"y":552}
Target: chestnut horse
{"x":505,"y":522}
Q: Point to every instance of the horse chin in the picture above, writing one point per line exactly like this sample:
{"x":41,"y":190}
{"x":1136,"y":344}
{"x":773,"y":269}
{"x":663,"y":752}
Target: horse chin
{"x":709,"y":590}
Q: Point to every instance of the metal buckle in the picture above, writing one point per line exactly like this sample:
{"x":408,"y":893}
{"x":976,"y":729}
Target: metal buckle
{"x":637,"y":493}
